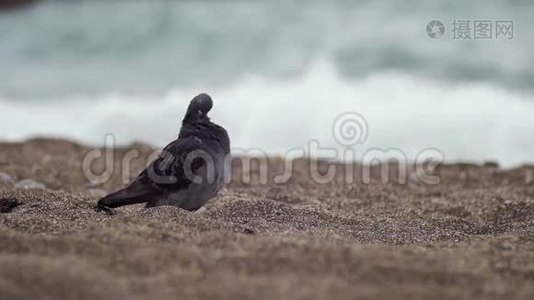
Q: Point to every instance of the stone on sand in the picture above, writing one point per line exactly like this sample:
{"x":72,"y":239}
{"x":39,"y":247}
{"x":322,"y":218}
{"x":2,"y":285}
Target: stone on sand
{"x":29,"y":184}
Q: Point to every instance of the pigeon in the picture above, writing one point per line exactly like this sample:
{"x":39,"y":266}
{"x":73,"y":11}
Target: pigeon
{"x":188,"y":172}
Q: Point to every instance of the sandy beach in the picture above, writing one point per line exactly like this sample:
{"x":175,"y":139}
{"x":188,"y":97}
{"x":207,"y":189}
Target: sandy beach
{"x":469,"y":237}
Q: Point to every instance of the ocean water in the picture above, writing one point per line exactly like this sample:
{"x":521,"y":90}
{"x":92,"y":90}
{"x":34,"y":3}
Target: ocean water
{"x":280,"y":74}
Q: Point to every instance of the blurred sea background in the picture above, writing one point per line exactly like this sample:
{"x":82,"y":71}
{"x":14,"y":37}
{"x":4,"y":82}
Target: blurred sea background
{"x":280,"y":72}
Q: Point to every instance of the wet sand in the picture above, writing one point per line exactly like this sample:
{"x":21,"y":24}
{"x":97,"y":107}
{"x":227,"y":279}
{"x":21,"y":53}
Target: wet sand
{"x":469,"y":237}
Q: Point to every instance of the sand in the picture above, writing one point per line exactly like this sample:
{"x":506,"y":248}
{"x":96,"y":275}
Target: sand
{"x":469,"y":237}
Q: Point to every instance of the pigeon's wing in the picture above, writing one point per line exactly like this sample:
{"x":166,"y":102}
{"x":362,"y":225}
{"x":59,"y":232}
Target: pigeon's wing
{"x":166,"y":173}
{"x":177,"y":163}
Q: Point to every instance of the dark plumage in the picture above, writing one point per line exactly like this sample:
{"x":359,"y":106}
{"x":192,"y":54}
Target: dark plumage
{"x":188,"y":172}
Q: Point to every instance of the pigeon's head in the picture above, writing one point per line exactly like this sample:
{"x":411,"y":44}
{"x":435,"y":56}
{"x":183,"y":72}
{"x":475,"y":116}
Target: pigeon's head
{"x":199,"y":107}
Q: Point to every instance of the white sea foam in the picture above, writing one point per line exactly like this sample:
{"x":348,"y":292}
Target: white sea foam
{"x":475,"y":122}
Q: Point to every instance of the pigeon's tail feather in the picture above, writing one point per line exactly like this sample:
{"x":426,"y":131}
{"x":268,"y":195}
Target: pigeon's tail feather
{"x":131,"y":195}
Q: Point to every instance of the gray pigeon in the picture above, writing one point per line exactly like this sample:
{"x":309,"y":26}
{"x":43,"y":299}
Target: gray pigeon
{"x":189,"y":171}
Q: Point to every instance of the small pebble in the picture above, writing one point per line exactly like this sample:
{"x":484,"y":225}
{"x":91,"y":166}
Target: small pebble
{"x":5,"y":178}
{"x":29,"y":184}
{"x":248,"y":231}
{"x":8,"y":204}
